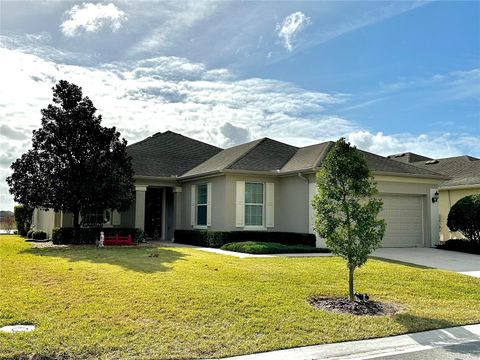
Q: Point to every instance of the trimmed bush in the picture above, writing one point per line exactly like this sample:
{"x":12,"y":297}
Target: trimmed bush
{"x":91,"y":235}
{"x":256,"y":247}
{"x":464,"y":216}
{"x":23,"y":218}
{"x":460,"y":245}
{"x":39,"y":235}
{"x":216,"y":239}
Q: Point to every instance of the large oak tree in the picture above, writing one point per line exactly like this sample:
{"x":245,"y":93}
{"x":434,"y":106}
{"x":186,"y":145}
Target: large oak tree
{"x":75,"y":165}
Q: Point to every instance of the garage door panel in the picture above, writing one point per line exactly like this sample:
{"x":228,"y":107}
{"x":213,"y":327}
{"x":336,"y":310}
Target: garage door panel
{"x":403,"y":215}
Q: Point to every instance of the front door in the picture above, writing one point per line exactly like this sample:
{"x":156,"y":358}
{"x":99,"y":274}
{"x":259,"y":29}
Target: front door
{"x":154,"y":213}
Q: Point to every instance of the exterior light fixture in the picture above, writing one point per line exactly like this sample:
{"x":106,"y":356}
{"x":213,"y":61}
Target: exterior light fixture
{"x":435,"y":197}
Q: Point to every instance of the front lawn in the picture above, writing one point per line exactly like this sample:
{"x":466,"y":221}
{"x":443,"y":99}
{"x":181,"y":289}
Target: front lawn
{"x":171,"y":303}
{"x":258,"y":247}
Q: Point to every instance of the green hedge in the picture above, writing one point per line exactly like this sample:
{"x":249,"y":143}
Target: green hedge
{"x":216,"y":239}
{"x":91,"y":235}
{"x":257,"y":247}
{"x":460,"y":245}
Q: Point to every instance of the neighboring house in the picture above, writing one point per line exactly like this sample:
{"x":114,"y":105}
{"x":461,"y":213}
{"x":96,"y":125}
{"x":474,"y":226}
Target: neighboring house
{"x":464,"y":174}
{"x":181,"y":183}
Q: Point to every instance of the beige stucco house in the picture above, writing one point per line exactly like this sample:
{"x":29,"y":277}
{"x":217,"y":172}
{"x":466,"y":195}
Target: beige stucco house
{"x":181,"y":183}
{"x":464,"y":179}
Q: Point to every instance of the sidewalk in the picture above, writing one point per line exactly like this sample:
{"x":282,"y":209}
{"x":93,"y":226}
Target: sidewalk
{"x":373,"y":348}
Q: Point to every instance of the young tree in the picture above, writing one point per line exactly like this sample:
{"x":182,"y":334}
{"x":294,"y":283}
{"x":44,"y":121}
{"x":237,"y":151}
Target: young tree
{"x":75,"y":164}
{"x":346,"y":209}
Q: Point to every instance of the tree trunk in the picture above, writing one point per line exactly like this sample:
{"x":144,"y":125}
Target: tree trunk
{"x":76,"y":226}
{"x":351,"y":269}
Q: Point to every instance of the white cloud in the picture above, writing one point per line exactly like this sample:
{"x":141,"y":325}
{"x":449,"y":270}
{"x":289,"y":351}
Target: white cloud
{"x":291,"y":26}
{"x":89,"y":17}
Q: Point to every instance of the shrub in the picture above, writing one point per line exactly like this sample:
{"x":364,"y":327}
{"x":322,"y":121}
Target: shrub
{"x":217,"y":239}
{"x":257,"y":247}
{"x":464,"y":216}
{"x":23,"y":218}
{"x":39,"y":235}
{"x":64,"y":235}
{"x":460,"y":245}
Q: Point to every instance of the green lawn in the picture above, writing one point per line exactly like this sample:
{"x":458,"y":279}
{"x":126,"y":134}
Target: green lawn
{"x":259,"y":247}
{"x":182,"y":303}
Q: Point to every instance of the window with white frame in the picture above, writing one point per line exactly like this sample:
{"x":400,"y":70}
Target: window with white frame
{"x":254,"y":204}
{"x":202,"y":198}
{"x":97,"y":217}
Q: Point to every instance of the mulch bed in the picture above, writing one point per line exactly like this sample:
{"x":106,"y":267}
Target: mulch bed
{"x":345,"y":306}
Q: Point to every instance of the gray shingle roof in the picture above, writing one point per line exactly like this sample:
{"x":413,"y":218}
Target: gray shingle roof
{"x":408,"y":157}
{"x":259,"y":155}
{"x":267,"y":155}
{"x":463,"y":170}
{"x":168,"y":154}
{"x":383,"y":164}
{"x":307,"y":158}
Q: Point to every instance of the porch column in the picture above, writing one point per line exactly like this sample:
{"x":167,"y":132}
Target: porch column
{"x":177,"y":208}
{"x":140,"y":206}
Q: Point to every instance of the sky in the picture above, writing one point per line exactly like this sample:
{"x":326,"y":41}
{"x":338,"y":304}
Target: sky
{"x":389,"y":76}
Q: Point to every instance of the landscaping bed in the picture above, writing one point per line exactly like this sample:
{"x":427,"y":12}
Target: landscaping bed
{"x":461,"y":245}
{"x":181,"y":303}
{"x":258,"y":247}
{"x":345,"y":306}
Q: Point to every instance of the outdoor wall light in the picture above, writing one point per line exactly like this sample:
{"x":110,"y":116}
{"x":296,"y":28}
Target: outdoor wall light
{"x":435,"y":197}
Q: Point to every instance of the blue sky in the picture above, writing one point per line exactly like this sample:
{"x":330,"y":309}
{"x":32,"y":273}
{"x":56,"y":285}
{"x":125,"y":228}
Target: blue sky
{"x":389,"y":76}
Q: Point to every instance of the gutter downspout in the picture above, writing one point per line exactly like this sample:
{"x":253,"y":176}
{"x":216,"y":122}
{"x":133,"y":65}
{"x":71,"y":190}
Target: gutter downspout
{"x":307,"y":208}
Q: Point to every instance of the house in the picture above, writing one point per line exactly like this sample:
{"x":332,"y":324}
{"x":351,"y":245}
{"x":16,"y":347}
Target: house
{"x":182,"y":183}
{"x":464,"y":180}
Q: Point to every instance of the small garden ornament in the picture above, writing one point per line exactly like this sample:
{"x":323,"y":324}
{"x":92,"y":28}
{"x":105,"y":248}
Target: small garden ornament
{"x":102,"y":237}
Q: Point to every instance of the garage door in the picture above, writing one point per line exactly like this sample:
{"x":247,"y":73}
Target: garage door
{"x":403,"y":215}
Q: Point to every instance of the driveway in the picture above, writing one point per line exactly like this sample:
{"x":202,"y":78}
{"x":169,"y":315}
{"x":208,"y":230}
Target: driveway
{"x":468,"y":264}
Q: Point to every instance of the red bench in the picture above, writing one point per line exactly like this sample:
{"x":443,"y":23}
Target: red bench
{"x":118,"y":240}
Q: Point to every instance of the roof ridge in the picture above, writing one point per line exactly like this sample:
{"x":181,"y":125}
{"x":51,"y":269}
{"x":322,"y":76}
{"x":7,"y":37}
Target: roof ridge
{"x":147,"y":138}
{"x":258,"y":142}
{"x":404,"y":164}
{"x":323,"y":153}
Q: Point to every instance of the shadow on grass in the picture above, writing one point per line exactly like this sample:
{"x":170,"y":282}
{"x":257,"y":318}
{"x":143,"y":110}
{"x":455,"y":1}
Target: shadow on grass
{"x":141,"y":259}
{"x":417,"y":323}
{"x":397,"y":262}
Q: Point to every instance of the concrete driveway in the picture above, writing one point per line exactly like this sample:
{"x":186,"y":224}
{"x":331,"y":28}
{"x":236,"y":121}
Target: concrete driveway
{"x":468,"y":264}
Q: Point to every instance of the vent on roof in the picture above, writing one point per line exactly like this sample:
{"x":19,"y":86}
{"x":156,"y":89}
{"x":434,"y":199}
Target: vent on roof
{"x":398,"y":155}
{"x":430,"y":162}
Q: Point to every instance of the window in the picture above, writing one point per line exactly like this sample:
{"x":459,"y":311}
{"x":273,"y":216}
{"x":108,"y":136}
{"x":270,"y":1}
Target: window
{"x":97,"y":218}
{"x":202,"y":190}
{"x":254,"y":201}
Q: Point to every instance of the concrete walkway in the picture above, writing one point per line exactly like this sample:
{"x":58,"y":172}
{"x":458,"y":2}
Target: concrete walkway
{"x":374,"y":348}
{"x":463,"y":263}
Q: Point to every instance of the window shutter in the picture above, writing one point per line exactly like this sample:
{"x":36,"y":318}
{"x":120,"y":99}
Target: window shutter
{"x":209,"y":204}
{"x":116,"y":217}
{"x":240,"y":204}
{"x":270,"y":205}
{"x":193,"y":203}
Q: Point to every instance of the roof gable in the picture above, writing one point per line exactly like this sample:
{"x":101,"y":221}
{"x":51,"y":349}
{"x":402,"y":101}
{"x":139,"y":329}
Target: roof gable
{"x":408,"y":157}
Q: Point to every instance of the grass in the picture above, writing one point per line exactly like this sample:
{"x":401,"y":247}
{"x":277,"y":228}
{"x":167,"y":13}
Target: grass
{"x":258,"y":247}
{"x":181,"y":303}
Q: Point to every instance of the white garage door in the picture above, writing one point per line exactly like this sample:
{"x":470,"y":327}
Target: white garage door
{"x":403,"y":215}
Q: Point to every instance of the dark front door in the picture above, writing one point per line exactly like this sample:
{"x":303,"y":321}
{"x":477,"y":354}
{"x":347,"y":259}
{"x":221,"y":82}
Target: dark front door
{"x":154,"y":212}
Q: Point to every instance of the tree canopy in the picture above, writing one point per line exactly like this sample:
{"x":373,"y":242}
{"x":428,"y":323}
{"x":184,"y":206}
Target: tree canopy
{"x":346,"y":208}
{"x":464,"y":216}
{"x":75,"y":164}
